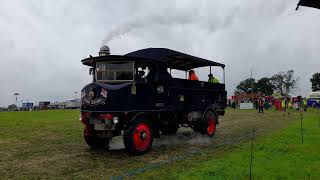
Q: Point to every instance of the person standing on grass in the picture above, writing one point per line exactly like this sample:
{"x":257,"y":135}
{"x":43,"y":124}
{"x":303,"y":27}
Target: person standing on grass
{"x":284,"y":105}
{"x":233,"y":104}
{"x":304,"y":103}
{"x":261,"y":102}
{"x":256,"y":102}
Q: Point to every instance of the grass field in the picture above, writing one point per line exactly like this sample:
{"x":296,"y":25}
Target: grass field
{"x":49,"y":144}
{"x":281,"y":155}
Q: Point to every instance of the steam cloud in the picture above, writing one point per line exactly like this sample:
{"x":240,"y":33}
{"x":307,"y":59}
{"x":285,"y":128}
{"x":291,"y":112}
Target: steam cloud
{"x":214,"y":19}
{"x":143,"y":21}
{"x":184,"y":136}
{"x":169,"y":19}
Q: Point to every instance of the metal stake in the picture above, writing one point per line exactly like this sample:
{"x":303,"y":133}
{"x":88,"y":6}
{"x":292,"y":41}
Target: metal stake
{"x":252,"y":138}
{"x":319,"y":116}
{"x":301,"y":128}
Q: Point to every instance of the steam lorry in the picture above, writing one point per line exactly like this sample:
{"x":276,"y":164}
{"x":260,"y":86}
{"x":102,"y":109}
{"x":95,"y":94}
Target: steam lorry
{"x":135,"y":95}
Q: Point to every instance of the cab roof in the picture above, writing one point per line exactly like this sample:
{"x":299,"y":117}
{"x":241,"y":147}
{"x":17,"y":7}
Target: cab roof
{"x":172,"y":59}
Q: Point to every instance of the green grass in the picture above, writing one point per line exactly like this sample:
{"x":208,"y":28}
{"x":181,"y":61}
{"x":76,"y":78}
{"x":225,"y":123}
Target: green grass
{"x":49,"y":144}
{"x":32,"y":142}
{"x":277,"y":156}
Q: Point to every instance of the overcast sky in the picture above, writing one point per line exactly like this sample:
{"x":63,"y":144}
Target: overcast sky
{"x":42,"y":42}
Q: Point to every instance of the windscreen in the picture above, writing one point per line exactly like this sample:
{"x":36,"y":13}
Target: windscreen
{"x":114,"y":71}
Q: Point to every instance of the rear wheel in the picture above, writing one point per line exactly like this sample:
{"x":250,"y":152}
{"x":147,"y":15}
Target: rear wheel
{"x":94,"y":141}
{"x":209,"y":123}
{"x":139,"y":137}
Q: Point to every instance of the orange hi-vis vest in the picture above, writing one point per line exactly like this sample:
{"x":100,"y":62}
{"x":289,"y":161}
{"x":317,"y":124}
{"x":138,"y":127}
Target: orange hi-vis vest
{"x":193,"y":77}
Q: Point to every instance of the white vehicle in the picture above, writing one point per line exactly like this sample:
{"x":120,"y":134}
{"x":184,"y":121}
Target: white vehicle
{"x":313,"y":99}
{"x":72,"y":103}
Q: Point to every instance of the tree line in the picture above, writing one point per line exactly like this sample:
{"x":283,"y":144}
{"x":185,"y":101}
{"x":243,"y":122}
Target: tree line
{"x":282,"y":83}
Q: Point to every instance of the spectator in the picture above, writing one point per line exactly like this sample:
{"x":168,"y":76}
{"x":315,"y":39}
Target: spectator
{"x":284,"y":105}
{"x":261,"y":104}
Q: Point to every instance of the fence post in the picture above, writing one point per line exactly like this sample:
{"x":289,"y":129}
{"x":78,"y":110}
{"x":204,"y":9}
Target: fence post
{"x":319,"y":116}
{"x":301,"y":128}
{"x":251,"y":157}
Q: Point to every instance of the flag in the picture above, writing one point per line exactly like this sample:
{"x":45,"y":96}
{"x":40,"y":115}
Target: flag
{"x":104,"y":93}
{"x":309,"y":3}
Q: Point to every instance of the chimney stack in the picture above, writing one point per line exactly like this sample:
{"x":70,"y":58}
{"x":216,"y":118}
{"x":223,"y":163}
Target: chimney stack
{"x":104,"y":51}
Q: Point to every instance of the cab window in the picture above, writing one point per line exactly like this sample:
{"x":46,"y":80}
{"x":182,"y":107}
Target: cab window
{"x":114,"y":71}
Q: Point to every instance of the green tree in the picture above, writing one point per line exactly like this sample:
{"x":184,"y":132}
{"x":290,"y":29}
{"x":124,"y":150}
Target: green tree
{"x":12,"y":107}
{"x":277,"y":81}
{"x":284,"y":82}
{"x":245,"y":86}
{"x":289,"y":82}
{"x":265,"y":86}
{"x":315,"y":82}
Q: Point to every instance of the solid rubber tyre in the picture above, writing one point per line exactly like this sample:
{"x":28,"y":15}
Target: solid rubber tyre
{"x":94,"y":142}
{"x":139,"y":137}
{"x":209,"y":123}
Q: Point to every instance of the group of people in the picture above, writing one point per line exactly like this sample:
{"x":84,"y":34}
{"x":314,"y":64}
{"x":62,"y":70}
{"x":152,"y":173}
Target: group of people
{"x":286,"y":103}
{"x":141,"y":73}
{"x":193,"y":77}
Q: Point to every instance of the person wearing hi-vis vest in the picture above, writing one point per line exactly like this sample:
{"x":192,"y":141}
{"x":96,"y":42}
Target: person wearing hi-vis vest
{"x":212,"y":79}
{"x":284,"y":105}
{"x":193,"y":76}
{"x":304,"y":104}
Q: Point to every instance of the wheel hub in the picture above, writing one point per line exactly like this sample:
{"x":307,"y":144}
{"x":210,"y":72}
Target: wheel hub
{"x":143,"y":136}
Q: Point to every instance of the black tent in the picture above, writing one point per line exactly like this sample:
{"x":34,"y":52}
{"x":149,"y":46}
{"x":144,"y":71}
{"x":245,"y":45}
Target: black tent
{"x":309,"y":3}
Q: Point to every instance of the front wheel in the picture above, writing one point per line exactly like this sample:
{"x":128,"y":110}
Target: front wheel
{"x":95,"y":142}
{"x":139,"y":137}
{"x":209,"y":123}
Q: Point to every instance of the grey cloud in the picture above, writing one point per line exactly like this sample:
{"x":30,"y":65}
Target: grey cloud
{"x":42,"y":42}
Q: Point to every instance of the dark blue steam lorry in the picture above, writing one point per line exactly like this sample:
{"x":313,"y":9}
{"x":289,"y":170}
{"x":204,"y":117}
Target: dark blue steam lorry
{"x":134,"y":95}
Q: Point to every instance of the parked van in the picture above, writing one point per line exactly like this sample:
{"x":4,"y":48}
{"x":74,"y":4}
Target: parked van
{"x":313,"y":99}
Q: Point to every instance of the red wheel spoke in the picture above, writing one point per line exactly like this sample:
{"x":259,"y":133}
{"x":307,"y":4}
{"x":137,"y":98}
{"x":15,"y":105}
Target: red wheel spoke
{"x":142,"y":137}
{"x":211,"y":126}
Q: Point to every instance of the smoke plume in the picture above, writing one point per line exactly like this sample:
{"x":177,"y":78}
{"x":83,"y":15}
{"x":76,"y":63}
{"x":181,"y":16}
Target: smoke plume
{"x":216,"y":17}
{"x":144,"y":21}
{"x":170,"y":19}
